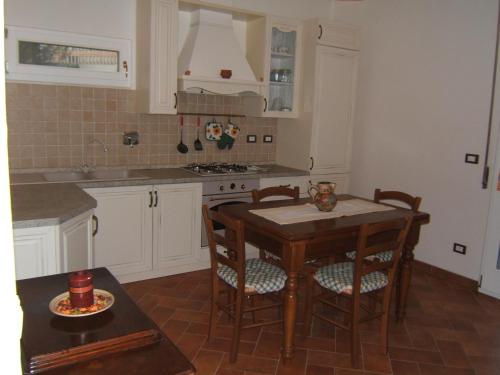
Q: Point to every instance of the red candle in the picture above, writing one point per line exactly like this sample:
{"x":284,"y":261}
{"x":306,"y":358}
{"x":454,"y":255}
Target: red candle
{"x":81,"y":290}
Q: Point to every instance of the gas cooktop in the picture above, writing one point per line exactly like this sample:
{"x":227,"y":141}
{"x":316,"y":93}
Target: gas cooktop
{"x":220,"y":169}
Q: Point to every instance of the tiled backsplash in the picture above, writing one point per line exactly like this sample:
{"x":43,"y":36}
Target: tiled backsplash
{"x":61,"y":126}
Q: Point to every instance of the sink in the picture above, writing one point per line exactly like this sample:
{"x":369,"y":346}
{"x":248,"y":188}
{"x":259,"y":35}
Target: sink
{"x":105,"y":175}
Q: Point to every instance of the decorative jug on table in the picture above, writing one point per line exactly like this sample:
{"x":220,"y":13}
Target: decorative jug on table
{"x":323,"y":195}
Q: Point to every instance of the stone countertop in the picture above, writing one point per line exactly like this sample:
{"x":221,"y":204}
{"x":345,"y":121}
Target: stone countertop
{"x":37,"y":205}
{"x":36,"y":202}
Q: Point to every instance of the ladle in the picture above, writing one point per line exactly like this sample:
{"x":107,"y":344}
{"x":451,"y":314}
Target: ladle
{"x":181,"y":147}
{"x":198,"y":146}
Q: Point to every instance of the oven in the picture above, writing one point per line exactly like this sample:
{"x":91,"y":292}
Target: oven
{"x":223,"y":193}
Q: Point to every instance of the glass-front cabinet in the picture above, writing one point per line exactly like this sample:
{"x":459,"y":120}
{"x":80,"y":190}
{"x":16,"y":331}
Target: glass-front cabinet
{"x":284,"y":44}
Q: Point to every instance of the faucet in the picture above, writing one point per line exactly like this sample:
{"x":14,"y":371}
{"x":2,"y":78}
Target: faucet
{"x":85,"y":166}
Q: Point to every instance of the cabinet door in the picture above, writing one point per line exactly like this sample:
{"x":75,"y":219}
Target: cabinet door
{"x":123,"y":242}
{"x":284,"y":49}
{"x":177,"y":220}
{"x":157,"y":56}
{"x":76,"y":243}
{"x":335,"y":86}
{"x":335,"y":34}
{"x":35,"y":251}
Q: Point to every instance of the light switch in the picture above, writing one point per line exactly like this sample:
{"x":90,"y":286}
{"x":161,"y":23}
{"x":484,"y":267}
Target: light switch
{"x":472,"y":158}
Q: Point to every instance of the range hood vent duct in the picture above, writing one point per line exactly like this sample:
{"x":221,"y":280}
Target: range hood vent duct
{"x":210,"y":47}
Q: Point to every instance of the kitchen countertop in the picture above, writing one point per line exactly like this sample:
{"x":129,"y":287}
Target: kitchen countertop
{"x":37,"y":205}
{"x":36,"y":202}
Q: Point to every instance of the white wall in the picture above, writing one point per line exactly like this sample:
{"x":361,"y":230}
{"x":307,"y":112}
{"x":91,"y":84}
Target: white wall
{"x":423,"y":100}
{"x":113,"y":18}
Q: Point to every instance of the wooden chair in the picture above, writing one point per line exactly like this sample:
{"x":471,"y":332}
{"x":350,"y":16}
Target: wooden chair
{"x":412,"y":202}
{"x":241,"y":278}
{"x":273,"y":191}
{"x":354,"y":279}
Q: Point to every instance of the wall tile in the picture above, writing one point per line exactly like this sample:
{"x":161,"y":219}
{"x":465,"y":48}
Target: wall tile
{"x":52,"y":126}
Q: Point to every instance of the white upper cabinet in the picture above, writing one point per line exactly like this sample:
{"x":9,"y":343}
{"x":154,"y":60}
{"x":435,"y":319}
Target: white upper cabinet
{"x":157,"y":30}
{"x":283,"y":55}
{"x":49,"y":56}
{"x":334,"y":34}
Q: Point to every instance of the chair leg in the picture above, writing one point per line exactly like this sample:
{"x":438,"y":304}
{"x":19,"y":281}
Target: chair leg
{"x":240,"y":300}
{"x":355,"y":341}
{"x":384,"y":332}
{"x":252,"y":304}
{"x":213,"y":308}
{"x":308,"y":304}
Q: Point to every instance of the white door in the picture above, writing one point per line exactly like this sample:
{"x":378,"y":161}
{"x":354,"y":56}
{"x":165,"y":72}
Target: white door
{"x":490,"y":269}
{"x":177,"y":224}
{"x":123,"y":242}
{"x":336,"y":71}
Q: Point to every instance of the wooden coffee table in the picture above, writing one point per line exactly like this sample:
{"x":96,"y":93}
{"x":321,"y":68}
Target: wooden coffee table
{"x":121,"y":339}
{"x":297,"y":243}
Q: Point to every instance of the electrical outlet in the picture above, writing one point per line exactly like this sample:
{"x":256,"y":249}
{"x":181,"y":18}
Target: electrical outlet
{"x":459,"y":248}
{"x":268,"y":139}
{"x":251,"y":138}
{"x":472,"y":158}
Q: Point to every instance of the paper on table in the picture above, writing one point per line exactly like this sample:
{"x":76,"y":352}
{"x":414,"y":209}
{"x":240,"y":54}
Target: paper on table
{"x":309,"y":212}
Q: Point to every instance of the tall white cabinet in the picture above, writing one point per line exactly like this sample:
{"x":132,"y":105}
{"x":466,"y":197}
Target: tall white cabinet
{"x":320,"y":139}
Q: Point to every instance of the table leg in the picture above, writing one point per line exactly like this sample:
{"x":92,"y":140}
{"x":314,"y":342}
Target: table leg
{"x":405,"y":271}
{"x":293,"y":260}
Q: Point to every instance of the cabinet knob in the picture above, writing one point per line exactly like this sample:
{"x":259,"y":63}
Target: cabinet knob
{"x":320,"y":31}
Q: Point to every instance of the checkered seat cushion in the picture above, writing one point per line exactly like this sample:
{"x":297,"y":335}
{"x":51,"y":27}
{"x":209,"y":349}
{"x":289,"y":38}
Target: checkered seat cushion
{"x":338,"y":277}
{"x":260,"y":276}
{"x":384,"y":256}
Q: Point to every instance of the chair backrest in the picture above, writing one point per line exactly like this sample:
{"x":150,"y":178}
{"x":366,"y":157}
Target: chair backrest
{"x":411,"y":201}
{"x":375,"y":238}
{"x":233,"y":242}
{"x":275,"y":191}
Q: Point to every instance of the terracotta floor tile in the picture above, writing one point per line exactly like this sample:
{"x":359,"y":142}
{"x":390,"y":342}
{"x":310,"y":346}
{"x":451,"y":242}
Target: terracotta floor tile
{"x":296,"y":367}
{"x":224,"y":345}
{"x":453,"y":354}
{"x":405,"y":368}
{"x":448,"y":330}
{"x":189,"y":344}
{"x":319,"y":370}
{"x":426,"y":369}
{"x":207,"y":362}
{"x":269,"y":345}
{"x":174,"y":329}
{"x":250,"y":363}
{"x":415,"y":355}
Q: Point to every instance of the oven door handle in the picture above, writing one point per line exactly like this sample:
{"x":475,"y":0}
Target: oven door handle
{"x":226,"y":198}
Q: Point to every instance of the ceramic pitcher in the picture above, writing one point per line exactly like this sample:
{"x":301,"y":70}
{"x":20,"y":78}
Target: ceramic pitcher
{"x":323,"y":195}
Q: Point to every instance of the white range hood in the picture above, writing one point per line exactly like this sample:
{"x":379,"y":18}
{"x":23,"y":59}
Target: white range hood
{"x":211,"y":46}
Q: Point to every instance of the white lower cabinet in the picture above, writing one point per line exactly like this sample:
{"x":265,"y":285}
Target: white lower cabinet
{"x":42,"y":251}
{"x":148,"y":231}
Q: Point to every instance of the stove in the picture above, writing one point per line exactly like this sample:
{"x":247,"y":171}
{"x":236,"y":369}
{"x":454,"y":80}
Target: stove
{"x":221,"y":169}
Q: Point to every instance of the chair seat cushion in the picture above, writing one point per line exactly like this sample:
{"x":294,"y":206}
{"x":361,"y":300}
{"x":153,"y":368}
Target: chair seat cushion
{"x":384,"y":256}
{"x":260,"y":276}
{"x":338,"y":277}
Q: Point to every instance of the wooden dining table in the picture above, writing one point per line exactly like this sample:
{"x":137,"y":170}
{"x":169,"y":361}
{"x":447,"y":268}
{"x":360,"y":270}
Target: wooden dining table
{"x":297,"y":243}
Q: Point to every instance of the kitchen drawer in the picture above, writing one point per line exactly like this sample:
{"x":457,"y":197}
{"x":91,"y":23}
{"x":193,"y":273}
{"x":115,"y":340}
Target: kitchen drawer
{"x":341,"y":179}
{"x":301,"y":181}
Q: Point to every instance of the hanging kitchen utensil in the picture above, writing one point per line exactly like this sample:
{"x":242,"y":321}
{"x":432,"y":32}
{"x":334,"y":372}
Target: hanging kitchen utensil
{"x":181,"y":147}
{"x":198,"y":146}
